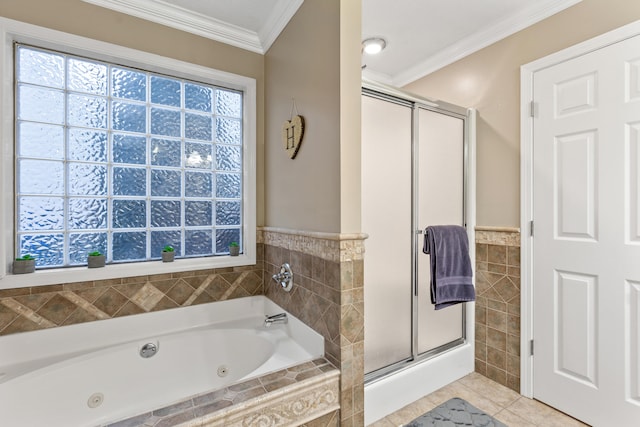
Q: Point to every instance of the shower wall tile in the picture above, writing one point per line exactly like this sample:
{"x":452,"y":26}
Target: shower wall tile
{"x":498,"y":305}
{"x":328,"y":295}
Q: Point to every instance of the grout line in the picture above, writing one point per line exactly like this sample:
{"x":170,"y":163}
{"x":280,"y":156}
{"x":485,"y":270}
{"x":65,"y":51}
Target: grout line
{"x":25,"y":311}
{"x":84,"y":304}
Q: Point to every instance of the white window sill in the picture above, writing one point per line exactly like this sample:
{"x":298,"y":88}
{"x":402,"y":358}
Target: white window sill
{"x":116,"y":271}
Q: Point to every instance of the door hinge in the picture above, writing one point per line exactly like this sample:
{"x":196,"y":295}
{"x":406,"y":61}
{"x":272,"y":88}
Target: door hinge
{"x":531,"y":228}
{"x":531,"y":348}
{"x":532,"y":109}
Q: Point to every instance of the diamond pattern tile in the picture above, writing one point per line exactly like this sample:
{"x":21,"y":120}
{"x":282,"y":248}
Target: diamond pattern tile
{"x":110,"y":301}
{"x":34,"y":302}
{"x":180,"y":292}
{"x":57,"y":309}
{"x":147,"y":297}
{"x":26,"y":309}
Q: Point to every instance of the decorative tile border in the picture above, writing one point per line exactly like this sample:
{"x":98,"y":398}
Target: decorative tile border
{"x":334,"y":247}
{"x":287,"y":397}
{"x":505,"y":236}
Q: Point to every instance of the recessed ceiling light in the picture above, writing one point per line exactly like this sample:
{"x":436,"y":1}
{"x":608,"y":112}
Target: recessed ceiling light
{"x":374,"y":45}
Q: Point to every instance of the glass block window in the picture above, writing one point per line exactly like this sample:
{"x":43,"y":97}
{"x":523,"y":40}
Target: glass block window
{"x":123,"y":161}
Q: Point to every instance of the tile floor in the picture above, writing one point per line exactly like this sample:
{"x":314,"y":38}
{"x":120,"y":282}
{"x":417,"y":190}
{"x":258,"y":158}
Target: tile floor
{"x":501,"y":402}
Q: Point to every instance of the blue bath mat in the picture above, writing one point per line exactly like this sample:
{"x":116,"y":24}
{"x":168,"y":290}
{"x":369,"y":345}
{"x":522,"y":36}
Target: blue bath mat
{"x":455,"y":412}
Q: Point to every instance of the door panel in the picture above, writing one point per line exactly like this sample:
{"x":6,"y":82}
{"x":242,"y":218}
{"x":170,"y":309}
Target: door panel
{"x":440,"y":200}
{"x":633,"y":326}
{"x":386,"y":217}
{"x":574,"y":186}
{"x":577,"y":339}
{"x":586,"y":256}
{"x":633,"y":184}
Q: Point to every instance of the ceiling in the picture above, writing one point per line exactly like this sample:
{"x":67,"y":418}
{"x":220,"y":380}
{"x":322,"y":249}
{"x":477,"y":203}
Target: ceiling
{"x":422,"y":35}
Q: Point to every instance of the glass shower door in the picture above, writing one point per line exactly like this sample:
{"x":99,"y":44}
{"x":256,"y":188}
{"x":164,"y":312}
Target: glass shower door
{"x":439,"y":196}
{"x":386,"y":212}
{"x":413,"y":176}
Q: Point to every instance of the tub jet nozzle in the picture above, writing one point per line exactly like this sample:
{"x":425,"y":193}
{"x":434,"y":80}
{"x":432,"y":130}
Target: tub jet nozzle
{"x":148,"y":350}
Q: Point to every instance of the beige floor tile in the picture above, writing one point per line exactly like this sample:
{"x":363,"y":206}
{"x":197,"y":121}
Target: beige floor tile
{"x":384,"y":422}
{"x":558,"y":419}
{"x":406,"y":414}
{"x":425,"y":404}
{"x":447,"y":392}
{"x":493,"y":391}
{"x":531,"y":410}
{"x":512,"y":420}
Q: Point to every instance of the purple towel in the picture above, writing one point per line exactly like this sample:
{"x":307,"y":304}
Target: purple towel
{"x":451,"y":274}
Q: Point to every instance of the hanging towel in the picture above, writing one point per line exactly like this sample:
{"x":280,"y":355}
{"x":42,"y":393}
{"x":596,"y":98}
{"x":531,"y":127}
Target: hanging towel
{"x":451,"y":274}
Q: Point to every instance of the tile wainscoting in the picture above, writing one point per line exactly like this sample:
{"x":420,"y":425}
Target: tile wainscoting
{"x":328,"y":295}
{"x":498,"y":305}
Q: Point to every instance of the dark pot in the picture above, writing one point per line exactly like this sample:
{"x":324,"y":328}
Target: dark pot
{"x":24,"y":266}
{"x":95,"y":261}
{"x":168,"y":256}
{"x":234,"y":250}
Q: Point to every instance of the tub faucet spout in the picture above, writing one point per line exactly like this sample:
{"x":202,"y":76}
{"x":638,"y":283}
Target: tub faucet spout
{"x":275,"y":318}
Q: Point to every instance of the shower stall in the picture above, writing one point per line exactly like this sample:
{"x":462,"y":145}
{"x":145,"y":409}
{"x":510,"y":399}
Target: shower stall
{"x":417,"y":170}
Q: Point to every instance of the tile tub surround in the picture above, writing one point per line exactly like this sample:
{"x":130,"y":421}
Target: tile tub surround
{"x":328,"y":295}
{"x":305,"y":394}
{"x":28,"y":309}
{"x":498,"y":305}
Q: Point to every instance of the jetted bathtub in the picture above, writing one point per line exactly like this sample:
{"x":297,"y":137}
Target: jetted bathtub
{"x":94,"y":373}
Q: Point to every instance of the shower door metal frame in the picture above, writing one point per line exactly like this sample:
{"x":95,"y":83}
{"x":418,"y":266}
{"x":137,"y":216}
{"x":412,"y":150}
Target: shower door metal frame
{"x":389,"y":94}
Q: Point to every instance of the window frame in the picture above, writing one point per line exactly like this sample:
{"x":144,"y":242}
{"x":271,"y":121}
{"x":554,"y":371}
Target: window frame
{"x":14,"y":31}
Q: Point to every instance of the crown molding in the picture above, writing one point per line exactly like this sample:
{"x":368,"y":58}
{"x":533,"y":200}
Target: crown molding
{"x":377,"y":76}
{"x":277,"y":21}
{"x":167,"y":14}
{"x":536,"y":13}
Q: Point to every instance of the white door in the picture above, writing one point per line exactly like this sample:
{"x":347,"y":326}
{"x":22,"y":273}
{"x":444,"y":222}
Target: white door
{"x":586,"y":244}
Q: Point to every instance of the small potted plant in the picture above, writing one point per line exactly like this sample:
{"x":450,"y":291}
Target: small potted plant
{"x":234,"y":249}
{"x":168,"y":254}
{"x":95,"y":259}
{"x":24,"y":264}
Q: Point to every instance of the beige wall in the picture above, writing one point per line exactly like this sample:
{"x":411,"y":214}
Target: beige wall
{"x":350,"y":115}
{"x":305,"y":64}
{"x":489,"y":80}
{"x":83,"y":19}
